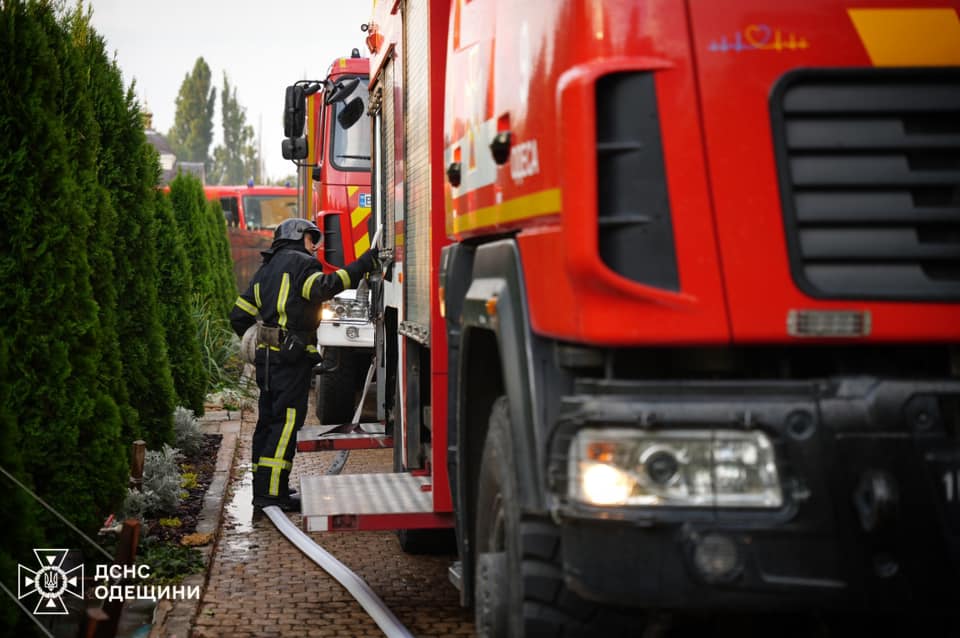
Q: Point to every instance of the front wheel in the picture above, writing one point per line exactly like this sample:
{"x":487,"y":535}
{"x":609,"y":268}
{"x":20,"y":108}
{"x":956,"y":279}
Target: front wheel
{"x":338,"y":390}
{"x":518,"y":580}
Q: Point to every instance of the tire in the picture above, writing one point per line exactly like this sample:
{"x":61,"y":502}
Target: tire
{"x":518,"y":581}
{"x":339,"y":389}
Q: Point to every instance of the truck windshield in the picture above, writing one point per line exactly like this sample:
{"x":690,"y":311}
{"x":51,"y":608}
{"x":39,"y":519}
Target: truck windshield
{"x":267,"y":211}
{"x":350,"y":148}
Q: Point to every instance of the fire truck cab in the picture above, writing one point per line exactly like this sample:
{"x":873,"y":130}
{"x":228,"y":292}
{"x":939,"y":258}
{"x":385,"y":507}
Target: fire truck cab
{"x":334,"y":175}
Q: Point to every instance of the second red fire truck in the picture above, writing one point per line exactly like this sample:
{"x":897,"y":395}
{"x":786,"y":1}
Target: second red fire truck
{"x":334,"y":176}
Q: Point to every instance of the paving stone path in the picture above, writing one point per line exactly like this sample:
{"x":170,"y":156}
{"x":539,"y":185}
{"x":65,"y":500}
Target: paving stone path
{"x":261,"y":585}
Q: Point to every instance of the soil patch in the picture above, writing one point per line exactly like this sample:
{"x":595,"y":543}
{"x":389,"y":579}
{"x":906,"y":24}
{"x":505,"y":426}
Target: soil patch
{"x":202,"y":464}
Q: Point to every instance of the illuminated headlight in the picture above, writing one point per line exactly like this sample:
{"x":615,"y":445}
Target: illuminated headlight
{"x":676,"y":468}
{"x":338,"y":309}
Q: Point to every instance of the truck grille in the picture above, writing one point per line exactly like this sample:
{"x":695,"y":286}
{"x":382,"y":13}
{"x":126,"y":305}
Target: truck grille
{"x":869,"y":165}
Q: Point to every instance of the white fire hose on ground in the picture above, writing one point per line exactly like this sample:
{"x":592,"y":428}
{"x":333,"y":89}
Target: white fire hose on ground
{"x":357,"y":587}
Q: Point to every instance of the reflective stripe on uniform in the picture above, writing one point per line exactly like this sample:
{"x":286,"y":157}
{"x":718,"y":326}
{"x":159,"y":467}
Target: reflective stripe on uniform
{"x":344,"y":277}
{"x":256,"y":294}
{"x":308,"y":284}
{"x":263,"y":346}
{"x":282,"y":300}
{"x":278,"y":463}
{"x":276,"y":466}
{"x":312,"y":348}
{"x":246,"y":306}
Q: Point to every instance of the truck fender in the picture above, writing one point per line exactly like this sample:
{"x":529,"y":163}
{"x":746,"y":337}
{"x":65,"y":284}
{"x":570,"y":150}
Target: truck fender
{"x":485,"y":301}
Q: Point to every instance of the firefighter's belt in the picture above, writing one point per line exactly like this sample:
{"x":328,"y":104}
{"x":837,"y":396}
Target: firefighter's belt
{"x":274,"y":336}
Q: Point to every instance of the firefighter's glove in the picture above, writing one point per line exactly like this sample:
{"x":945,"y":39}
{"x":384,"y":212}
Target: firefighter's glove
{"x":369,"y":261}
{"x":366,"y":263}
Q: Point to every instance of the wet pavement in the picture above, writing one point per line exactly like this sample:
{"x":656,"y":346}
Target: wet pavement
{"x":259,"y":584}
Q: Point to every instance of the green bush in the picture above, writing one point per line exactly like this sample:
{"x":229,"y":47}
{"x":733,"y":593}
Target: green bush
{"x":175,"y":286}
{"x":48,"y":155}
{"x":169,"y":563}
{"x":189,"y":208}
{"x":220,"y":346}
{"x":143,"y":342}
{"x":225,"y":283}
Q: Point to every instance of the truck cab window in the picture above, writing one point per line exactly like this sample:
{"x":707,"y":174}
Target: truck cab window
{"x":265,"y":212}
{"x":230,"y":213}
{"x":350,"y":148}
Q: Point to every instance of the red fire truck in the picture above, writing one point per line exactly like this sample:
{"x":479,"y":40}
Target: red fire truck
{"x":252,"y":213}
{"x":669,"y":315}
{"x":334,"y":176}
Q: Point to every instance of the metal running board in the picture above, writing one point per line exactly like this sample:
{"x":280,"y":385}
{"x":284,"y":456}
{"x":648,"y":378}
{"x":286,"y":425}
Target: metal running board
{"x":361,"y":502}
{"x":371,"y":436}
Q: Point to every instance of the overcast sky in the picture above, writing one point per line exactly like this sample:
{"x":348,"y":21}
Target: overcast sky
{"x":262,"y":45}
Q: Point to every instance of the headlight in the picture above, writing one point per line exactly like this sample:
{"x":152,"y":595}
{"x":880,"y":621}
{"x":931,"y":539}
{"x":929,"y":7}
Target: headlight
{"x":338,"y":309}
{"x":678,"y":468}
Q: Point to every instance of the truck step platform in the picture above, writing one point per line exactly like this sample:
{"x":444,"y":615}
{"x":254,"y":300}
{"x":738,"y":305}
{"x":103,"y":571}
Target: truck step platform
{"x":362,"y":502}
{"x":352,"y":436}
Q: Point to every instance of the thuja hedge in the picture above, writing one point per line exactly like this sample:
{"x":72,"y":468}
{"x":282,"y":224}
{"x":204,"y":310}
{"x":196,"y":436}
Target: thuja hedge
{"x":95,"y":290}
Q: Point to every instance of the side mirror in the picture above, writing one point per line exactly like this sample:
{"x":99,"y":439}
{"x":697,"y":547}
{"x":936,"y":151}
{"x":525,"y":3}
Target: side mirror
{"x":294,"y":148}
{"x":351,"y":113}
{"x":294,"y":111}
{"x":341,"y":90}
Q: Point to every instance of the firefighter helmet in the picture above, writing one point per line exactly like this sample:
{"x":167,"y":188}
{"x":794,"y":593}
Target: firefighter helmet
{"x":294,"y":229}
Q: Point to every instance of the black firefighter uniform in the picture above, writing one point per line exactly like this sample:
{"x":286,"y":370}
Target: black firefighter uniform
{"x":286,"y":293}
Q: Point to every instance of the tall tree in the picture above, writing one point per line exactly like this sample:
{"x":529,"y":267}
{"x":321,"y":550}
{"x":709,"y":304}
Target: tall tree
{"x":235,"y":161}
{"x":192,"y":131}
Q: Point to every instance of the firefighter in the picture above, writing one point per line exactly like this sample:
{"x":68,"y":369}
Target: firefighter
{"x":283,"y":301}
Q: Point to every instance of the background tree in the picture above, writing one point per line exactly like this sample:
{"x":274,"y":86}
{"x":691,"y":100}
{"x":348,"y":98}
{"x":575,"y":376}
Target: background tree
{"x":235,"y":161}
{"x":192,"y":131}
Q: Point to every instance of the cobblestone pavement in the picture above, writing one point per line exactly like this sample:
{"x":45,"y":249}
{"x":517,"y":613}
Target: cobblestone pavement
{"x":261,"y":585}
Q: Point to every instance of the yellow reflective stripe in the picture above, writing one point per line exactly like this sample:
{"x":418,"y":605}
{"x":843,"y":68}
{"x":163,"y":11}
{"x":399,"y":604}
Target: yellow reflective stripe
{"x":282,"y":464}
{"x":246,"y":306}
{"x":351,"y":191}
{"x":282,"y":300}
{"x":909,"y":37}
{"x":359,"y":215}
{"x":264,"y":346}
{"x":361,"y":245}
{"x":312,"y":349}
{"x":287,"y":431}
{"x":256,"y":294}
{"x":276,"y":466}
{"x":344,"y":277}
{"x":278,"y":462}
{"x":545,"y":202}
{"x":308,"y":284}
